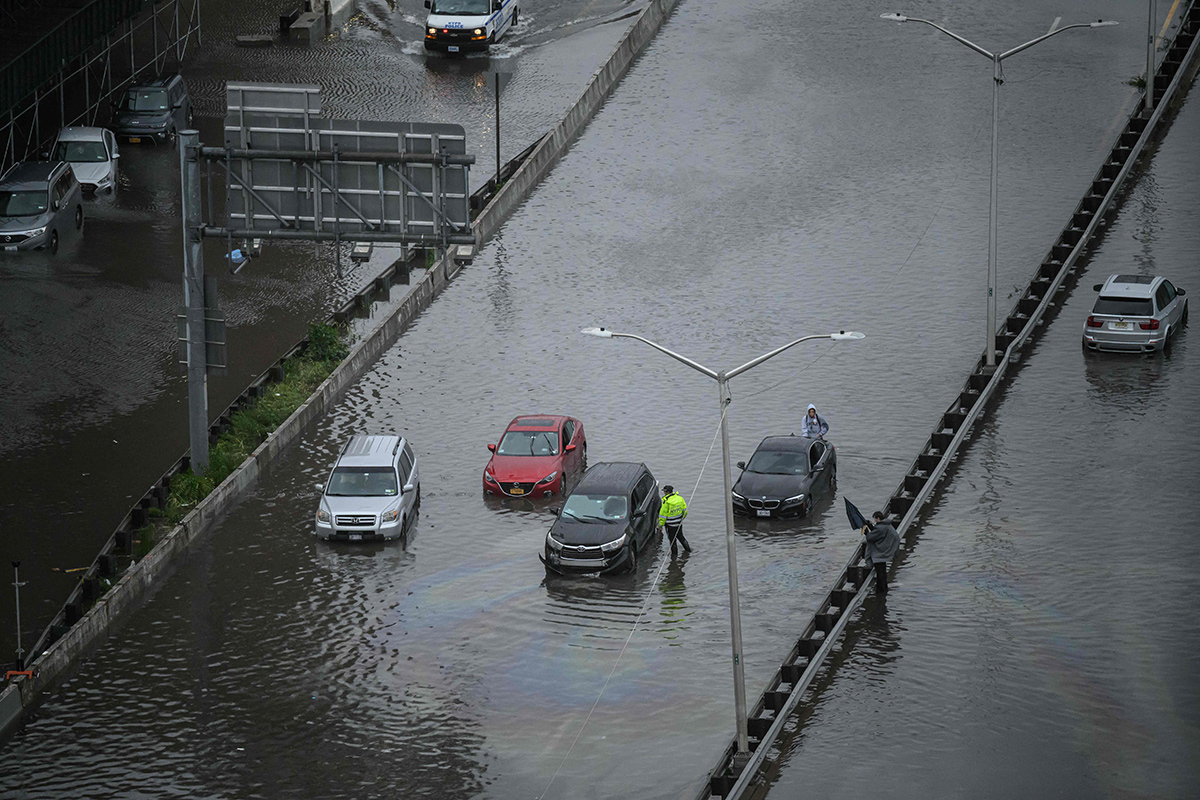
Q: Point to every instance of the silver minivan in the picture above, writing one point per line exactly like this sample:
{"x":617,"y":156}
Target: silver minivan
{"x":372,"y":493}
{"x":1135,"y":314}
{"x":38,"y":201}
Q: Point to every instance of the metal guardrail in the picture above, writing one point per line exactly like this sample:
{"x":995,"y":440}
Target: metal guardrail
{"x":840,"y":602}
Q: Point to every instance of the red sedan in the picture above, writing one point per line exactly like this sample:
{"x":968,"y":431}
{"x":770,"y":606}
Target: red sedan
{"x":536,"y":456}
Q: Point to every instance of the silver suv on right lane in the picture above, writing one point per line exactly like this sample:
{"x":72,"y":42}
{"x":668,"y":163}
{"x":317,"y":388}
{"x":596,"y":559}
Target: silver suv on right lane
{"x":1135,"y":314}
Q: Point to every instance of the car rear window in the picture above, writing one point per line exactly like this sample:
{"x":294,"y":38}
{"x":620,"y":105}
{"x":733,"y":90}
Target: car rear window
{"x":1122,"y":307}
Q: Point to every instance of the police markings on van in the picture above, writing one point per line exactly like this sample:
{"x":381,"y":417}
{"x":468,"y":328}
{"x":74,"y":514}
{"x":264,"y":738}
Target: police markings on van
{"x":460,"y":26}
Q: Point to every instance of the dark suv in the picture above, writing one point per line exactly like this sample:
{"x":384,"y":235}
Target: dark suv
{"x":153,"y":111}
{"x":607,"y":521}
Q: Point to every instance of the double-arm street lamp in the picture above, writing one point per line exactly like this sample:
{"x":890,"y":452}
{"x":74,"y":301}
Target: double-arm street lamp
{"x":735,"y":616}
{"x":997,"y":79}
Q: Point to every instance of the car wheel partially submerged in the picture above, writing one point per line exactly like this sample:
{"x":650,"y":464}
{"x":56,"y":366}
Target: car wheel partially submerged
{"x":633,"y":558}
{"x":53,"y":242}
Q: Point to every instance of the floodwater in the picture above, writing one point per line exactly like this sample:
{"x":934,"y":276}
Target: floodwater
{"x":757,"y":176}
{"x":94,"y":403}
{"x":1041,"y":640}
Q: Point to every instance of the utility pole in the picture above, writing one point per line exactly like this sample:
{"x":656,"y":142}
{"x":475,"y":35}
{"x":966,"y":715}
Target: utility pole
{"x":193,"y":300}
{"x":1150,"y":42}
{"x":17,"y":589}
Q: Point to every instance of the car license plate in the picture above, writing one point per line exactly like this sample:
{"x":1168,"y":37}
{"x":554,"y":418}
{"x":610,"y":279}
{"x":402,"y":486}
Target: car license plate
{"x":135,"y":140}
{"x":10,"y":247}
{"x":356,"y":537}
{"x":521,"y":491}
{"x":762,"y":512}
{"x":452,"y":48}
{"x":1120,"y":326}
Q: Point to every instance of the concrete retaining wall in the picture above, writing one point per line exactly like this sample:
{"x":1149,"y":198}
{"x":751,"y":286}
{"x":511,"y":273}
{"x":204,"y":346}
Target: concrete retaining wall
{"x":141,"y":580}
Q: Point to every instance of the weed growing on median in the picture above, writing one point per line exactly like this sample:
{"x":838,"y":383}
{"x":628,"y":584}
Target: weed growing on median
{"x":251,"y":424}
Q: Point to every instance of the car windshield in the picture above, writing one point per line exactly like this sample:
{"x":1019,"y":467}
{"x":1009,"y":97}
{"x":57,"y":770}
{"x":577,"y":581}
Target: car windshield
{"x":779,"y":462}
{"x":362,"y":482}
{"x":529,"y":443}
{"x":596,"y":507}
{"x":461,"y":7}
{"x":80,"y":152}
{"x":145,"y":100}
{"x":22,"y":204}
{"x":1122,"y":307}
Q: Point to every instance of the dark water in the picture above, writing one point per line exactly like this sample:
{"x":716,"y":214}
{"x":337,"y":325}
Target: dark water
{"x":94,"y":405}
{"x":1042,"y":640}
{"x":759,"y":175}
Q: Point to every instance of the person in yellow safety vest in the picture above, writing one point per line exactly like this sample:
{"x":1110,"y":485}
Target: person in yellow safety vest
{"x":671,"y":516}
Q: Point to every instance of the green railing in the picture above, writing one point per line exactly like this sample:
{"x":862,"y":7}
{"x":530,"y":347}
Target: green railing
{"x":61,"y":45}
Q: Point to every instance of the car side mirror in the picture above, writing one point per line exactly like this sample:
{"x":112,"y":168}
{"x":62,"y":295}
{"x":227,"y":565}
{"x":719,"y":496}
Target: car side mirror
{"x":1180,"y":292}
{"x":177,"y":105}
{"x":116,"y":156}
{"x":492,"y":447}
{"x":320,"y":487}
{"x":741,"y":465}
{"x":408,"y":487}
{"x":556,"y":511}
{"x":429,"y":5}
{"x":495,"y":6}
{"x":637,"y":515}
{"x":1097,"y":287}
{"x":54,"y":205}
{"x":569,"y":448}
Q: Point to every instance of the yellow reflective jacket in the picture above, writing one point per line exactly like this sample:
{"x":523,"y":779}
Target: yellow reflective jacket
{"x":673,"y":511}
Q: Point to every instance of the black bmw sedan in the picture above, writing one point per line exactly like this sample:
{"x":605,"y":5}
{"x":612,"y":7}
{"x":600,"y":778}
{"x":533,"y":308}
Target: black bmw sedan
{"x":785,"y":476}
{"x":606,"y":522}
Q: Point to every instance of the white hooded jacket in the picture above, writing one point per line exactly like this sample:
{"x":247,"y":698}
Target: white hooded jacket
{"x":812,"y":428}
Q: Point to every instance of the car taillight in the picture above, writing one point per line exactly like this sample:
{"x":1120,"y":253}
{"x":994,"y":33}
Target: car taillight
{"x":1152,"y":325}
{"x":1094,"y":323}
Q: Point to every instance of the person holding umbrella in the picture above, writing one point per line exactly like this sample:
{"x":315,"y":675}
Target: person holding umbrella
{"x":882,"y":542}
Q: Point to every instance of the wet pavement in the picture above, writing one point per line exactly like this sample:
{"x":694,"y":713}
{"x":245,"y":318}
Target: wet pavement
{"x":736,"y":190}
{"x":1042,"y":615}
{"x":95,"y":406}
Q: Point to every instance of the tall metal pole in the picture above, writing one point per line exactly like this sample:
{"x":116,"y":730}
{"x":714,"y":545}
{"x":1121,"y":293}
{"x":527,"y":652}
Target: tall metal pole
{"x":1150,"y":58}
{"x":735,"y":611}
{"x":193,"y":300}
{"x":997,"y":79}
{"x":17,"y":588}
{"x":497,"y":83}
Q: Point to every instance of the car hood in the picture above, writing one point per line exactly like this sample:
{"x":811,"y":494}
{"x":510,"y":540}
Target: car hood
{"x":359,"y":505}
{"x":525,"y":469}
{"x":576,"y":532}
{"x":91,"y":171}
{"x":8,"y":224}
{"x":439,"y":20}
{"x":774,"y":487}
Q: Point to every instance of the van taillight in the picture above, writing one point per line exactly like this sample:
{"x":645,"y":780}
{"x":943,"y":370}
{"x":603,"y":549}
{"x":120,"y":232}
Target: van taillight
{"x":1152,"y":325}
{"x":1094,"y":323}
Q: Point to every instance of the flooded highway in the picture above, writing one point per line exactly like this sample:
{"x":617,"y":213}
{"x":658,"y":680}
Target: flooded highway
{"x":755,"y":177}
{"x":94,"y":404}
{"x":1043,"y":614}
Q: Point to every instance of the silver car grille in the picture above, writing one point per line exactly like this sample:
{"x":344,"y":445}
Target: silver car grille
{"x":762,"y":503}
{"x":354,"y":519}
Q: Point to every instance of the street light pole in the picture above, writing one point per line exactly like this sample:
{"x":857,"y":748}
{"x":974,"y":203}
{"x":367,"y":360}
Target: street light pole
{"x":993,"y":211}
{"x":724,"y":399}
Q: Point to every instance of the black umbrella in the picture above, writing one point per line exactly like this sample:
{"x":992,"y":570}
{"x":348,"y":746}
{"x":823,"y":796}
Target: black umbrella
{"x":857,"y":520}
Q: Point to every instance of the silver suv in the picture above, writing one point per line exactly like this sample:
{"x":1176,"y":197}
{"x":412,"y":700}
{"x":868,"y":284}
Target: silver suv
{"x":38,"y":199}
{"x":372,"y":493}
{"x":1135,"y":314}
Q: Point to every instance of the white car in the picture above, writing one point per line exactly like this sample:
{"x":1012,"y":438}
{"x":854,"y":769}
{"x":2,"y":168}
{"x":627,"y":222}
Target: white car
{"x":92,"y":154}
{"x":1135,"y":314}
{"x":373,"y":492}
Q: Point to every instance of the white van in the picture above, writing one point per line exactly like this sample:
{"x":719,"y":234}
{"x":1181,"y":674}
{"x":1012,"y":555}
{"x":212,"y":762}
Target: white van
{"x":459,"y":26}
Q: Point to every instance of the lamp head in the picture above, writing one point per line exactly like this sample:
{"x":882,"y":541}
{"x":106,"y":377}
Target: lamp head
{"x":843,"y":336}
{"x":894,"y":17}
{"x":601,"y":332}
{"x":1103,"y":23}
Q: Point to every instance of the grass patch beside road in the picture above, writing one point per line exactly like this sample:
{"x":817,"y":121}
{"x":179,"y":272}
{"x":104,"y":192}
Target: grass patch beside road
{"x":252,"y":424}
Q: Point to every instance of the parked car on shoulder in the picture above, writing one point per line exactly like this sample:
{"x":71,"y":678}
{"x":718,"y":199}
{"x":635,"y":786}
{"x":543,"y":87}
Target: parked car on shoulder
{"x":153,"y":112}
{"x":39,"y":200}
{"x":785,"y":476}
{"x":92,"y":154}
{"x":609,"y":519}
{"x":537,"y":456}
{"x":1135,"y":314}
{"x":372,"y":493}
